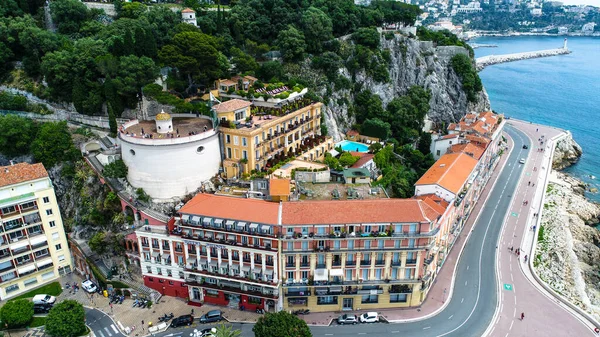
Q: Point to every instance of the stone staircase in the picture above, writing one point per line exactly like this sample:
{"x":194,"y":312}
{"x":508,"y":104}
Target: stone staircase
{"x":106,"y":142}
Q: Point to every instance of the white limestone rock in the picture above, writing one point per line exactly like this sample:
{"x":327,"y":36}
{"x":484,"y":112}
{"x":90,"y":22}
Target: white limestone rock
{"x":567,"y":256}
{"x":567,"y":152}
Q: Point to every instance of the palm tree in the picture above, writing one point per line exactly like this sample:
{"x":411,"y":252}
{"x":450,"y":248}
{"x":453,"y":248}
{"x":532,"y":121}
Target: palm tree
{"x":226,"y":331}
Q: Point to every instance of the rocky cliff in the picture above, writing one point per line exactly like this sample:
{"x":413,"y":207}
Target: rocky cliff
{"x":413,"y":62}
{"x":567,"y":152}
{"x":567,"y":255}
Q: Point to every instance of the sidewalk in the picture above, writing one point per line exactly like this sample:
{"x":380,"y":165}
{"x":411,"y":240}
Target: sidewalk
{"x":442,"y":289}
{"x":125,"y":315}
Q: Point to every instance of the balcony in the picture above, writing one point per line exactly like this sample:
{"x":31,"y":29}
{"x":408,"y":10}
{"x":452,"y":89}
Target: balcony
{"x":298,"y":293}
{"x":396,"y":263}
{"x":417,"y":234}
{"x":321,"y":265}
{"x":304,"y":264}
{"x":365,"y":262}
{"x":350,"y":263}
{"x":6,"y":268}
{"x":411,"y":261}
{"x":336,"y":263}
{"x":290,"y":264}
{"x":429,"y":260}
{"x":380,"y":262}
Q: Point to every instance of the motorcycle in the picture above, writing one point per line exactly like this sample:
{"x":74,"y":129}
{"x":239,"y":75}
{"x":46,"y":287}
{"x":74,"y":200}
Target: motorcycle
{"x":301,"y":312}
{"x":260,"y":311}
{"x":136,"y":303}
{"x":166,"y":318}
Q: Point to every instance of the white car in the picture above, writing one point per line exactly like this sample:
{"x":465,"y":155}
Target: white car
{"x":89,"y":286}
{"x":369,"y":317}
{"x":522,"y":161}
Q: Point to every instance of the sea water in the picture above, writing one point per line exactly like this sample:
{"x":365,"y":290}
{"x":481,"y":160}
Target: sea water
{"x":561,"y":91}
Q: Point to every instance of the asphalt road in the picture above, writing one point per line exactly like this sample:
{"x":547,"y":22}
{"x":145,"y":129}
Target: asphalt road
{"x":101,"y":324}
{"x":473,"y":302}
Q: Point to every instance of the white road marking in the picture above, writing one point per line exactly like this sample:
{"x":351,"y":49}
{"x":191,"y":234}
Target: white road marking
{"x":467,"y":267}
{"x":99,"y":332}
{"x":328,"y":334}
{"x":511,"y":324}
{"x":466,"y":283}
{"x":450,"y":316}
{"x":515,"y":304}
{"x":427,"y":327}
{"x":462,"y":299}
{"x":397,"y":331}
{"x":107,"y":331}
{"x":114,"y":328}
{"x":511,"y":278}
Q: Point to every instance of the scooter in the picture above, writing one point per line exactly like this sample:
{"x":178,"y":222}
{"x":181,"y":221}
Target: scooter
{"x":136,"y":303}
{"x":121,"y":299}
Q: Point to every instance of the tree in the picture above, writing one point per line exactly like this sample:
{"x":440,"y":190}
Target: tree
{"x":270,"y":71}
{"x":375,"y":127}
{"x":281,"y":324}
{"x":112,"y":121}
{"x":66,"y":319}
{"x":53,"y":144}
{"x":132,"y":10}
{"x":317,"y":28}
{"x":292,"y":44}
{"x":116,"y":169}
{"x":368,"y":37}
{"x":223,"y":330}
{"x":69,"y":15}
{"x":242,"y":61}
{"x":195,"y":54}
{"x":17,"y":135}
{"x":346,"y":159}
{"x":97,"y":243}
{"x":17,"y":313}
{"x":329,"y":63}
{"x":463,"y":66}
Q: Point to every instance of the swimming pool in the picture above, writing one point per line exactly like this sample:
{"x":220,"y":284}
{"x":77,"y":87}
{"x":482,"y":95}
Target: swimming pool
{"x":348,"y":145}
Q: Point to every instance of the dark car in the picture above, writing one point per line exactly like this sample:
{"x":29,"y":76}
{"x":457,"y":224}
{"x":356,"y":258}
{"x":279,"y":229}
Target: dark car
{"x":41,"y":308}
{"x":211,"y":316}
{"x":525,"y":147}
{"x":182,"y":320}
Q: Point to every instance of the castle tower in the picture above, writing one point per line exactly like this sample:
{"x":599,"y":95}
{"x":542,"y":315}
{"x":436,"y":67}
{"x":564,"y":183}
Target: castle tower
{"x":188,"y":15}
{"x":164,"y":122}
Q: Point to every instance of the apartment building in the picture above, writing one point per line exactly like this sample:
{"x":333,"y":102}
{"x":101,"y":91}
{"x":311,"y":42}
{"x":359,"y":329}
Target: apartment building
{"x":221,"y":250}
{"x":322,"y":255}
{"x":33,"y":245}
{"x":256,"y":138}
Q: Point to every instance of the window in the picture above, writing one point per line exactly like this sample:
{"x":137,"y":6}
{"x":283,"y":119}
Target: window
{"x":324,"y":300}
{"x":411,"y":243}
{"x":28,"y":205}
{"x":305,"y":230}
{"x":437,"y":152}
{"x":367,"y":229}
{"x":350,"y":244}
{"x":408,"y":274}
{"x":337,"y":244}
{"x":58,"y":246}
{"x":349,"y":275}
{"x":236,"y":140}
{"x":380,"y":244}
{"x":305,"y":274}
{"x":370,"y":299}
{"x":367,"y":244}
{"x":241,"y":114}
{"x":229,"y":152}
{"x":398,"y":298}
{"x":11,"y":288}
{"x":46,"y":200}
{"x":321,"y":230}
{"x":290,"y":245}
{"x":378,"y":274}
{"x":397,"y":243}
{"x":9,"y":209}
{"x":48,"y":275}
{"x":228,"y":139}
{"x":394,"y":274}
{"x":49,"y":212}
{"x":30,"y":282}
{"x":61,"y":258}
{"x":365,"y":274}
{"x":290,"y":275}
{"x":244,"y":141}
{"x":244,"y":154}
{"x":52,"y":224}
{"x":55,"y":236}
{"x":304,"y":245}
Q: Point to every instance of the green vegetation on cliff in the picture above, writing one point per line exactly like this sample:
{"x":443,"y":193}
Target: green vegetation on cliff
{"x":471,"y":83}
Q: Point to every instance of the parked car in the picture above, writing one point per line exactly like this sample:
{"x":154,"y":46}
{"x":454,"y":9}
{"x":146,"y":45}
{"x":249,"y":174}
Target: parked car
{"x":347,"y":319}
{"x":522,"y":161}
{"x":182,"y":320}
{"x":89,"y":286}
{"x":525,"y":147}
{"x":211,"y":316}
{"x":43,"y":299}
{"x":41,"y":308}
{"x":369,"y":317}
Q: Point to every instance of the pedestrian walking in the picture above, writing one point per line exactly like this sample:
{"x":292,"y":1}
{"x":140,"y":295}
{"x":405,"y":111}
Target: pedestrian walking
{"x":536,"y":130}
{"x":142,"y":325}
{"x":111,"y":308}
{"x":529,"y":183}
{"x":533,"y":185}
{"x":522,"y":315}
{"x":534,"y":228}
{"x":525,"y":258}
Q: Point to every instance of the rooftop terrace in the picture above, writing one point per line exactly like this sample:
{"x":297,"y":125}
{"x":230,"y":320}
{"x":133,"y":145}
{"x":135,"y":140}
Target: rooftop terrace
{"x":186,"y":126}
{"x":337,"y":191}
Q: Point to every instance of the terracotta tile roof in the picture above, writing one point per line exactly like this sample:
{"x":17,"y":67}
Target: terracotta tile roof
{"x":352,"y":133}
{"x":18,"y":173}
{"x":470,"y":116}
{"x":279,"y":187}
{"x":232,"y":105}
{"x":188,"y":10}
{"x":468,"y":148}
{"x":250,"y":78}
{"x":438,"y":204}
{"x":227,"y":82}
{"x":451,"y":172}
{"x":357,"y":211}
{"x":363,"y":160}
{"x":454,"y":135}
{"x":217,"y":206}
{"x":477,"y":139}
{"x":452,"y":126}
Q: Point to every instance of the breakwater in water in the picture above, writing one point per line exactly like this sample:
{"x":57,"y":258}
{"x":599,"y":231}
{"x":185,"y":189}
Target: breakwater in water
{"x":489,"y":60}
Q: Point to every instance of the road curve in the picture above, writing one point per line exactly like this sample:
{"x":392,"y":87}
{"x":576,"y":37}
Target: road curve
{"x":473,"y":302}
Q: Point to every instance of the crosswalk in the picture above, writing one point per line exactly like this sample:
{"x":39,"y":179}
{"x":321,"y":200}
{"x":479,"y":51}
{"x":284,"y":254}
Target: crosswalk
{"x":106,"y":332}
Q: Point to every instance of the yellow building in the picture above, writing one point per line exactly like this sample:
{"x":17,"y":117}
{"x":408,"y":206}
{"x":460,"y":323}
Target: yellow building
{"x":33,"y":245}
{"x":257,"y":138}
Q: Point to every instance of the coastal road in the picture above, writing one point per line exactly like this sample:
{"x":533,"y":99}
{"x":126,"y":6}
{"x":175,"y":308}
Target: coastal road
{"x":544,"y":315}
{"x":473,"y":303}
{"x":101,"y":324}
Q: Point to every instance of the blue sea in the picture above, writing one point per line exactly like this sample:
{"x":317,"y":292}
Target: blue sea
{"x":562,"y":91}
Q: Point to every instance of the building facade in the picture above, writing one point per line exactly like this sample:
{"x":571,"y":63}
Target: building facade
{"x":33,"y":245}
{"x":256,"y":138}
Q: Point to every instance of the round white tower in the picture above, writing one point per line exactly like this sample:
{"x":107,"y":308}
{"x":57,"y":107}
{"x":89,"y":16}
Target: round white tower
{"x":164,"y":122}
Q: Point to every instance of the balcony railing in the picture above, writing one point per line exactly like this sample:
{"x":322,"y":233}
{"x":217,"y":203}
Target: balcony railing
{"x":350,"y":263}
{"x":298,"y":293}
{"x":411,"y":261}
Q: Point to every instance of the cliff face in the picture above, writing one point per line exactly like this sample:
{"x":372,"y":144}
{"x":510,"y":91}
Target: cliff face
{"x":567,"y":253}
{"x":413,"y":62}
{"x":567,"y":152}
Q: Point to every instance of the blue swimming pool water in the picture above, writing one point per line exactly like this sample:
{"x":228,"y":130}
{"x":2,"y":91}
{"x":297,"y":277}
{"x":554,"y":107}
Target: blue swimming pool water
{"x":348,"y":145}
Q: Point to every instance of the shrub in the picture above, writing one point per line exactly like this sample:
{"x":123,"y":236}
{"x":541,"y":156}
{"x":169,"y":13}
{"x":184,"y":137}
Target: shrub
{"x":66,"y":319}
{"x":17,"y":313}
{"x":463,"y":66}
{"x":116,"y":169}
